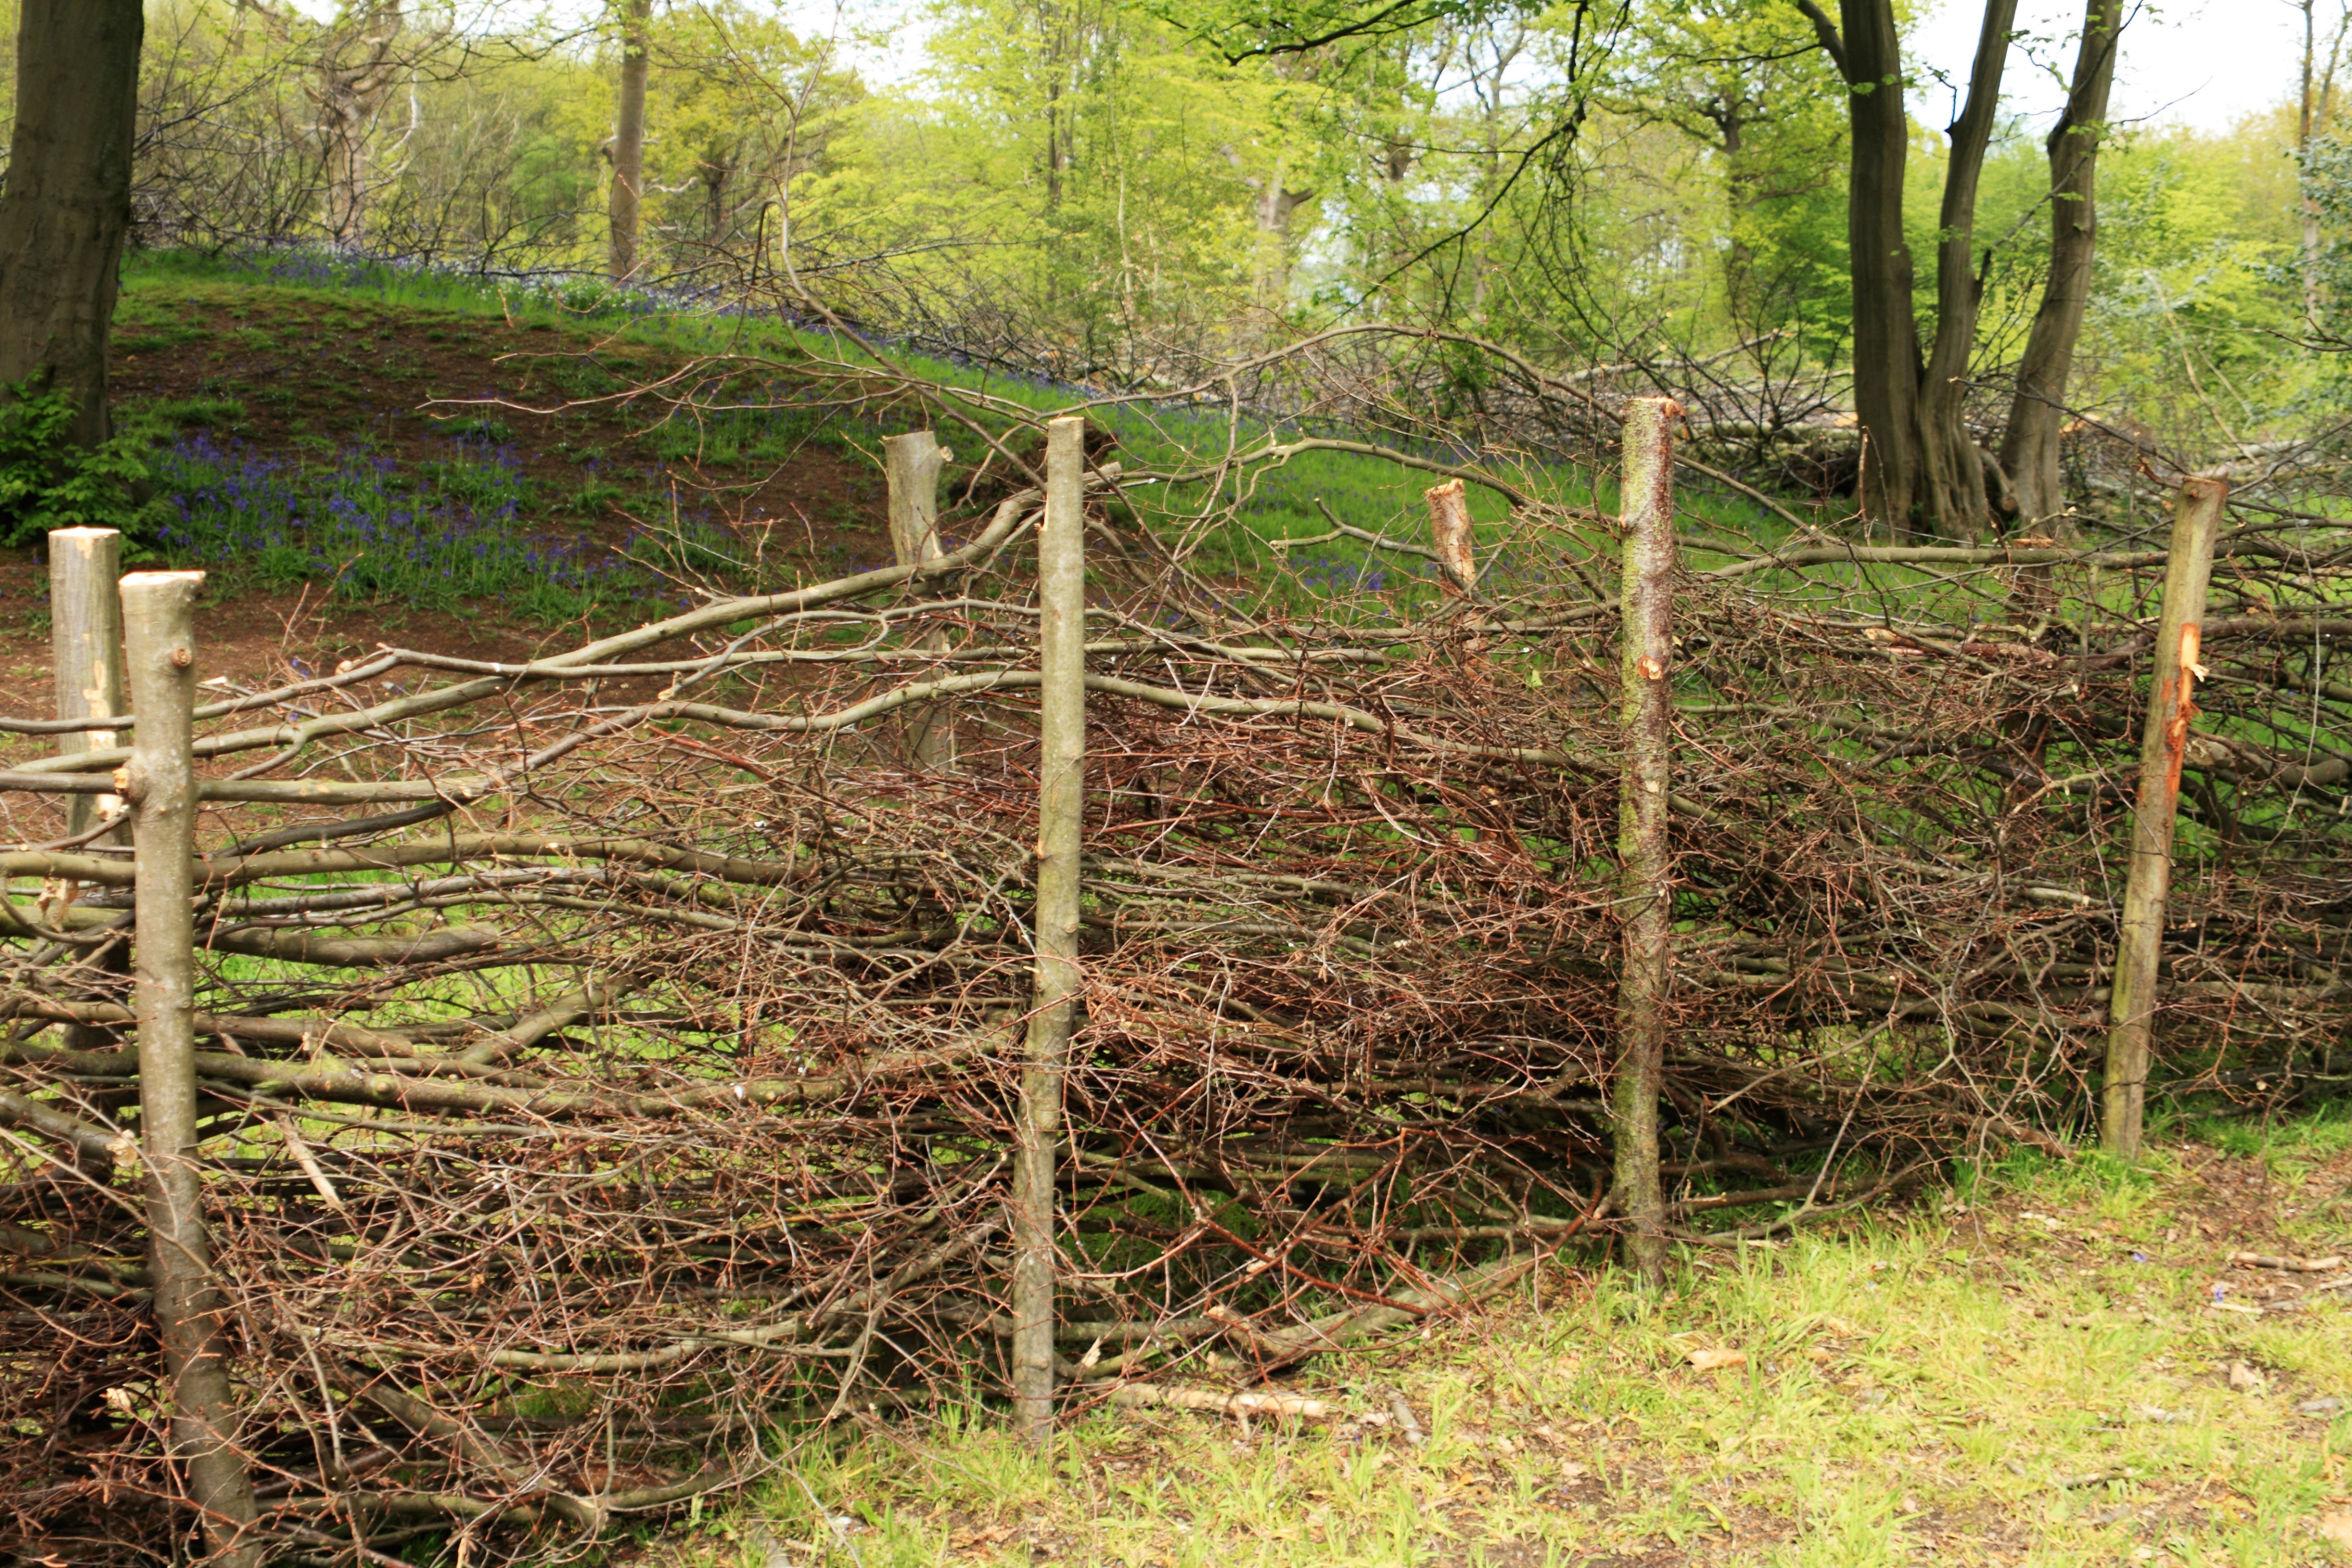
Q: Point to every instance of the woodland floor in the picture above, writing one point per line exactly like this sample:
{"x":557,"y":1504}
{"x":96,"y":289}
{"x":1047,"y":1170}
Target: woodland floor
{"x":2048,"y":1365}
{"x":306,"y":378}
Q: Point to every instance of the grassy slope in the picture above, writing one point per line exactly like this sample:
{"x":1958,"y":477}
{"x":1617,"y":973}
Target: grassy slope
{"x":313,"y":363}
{"x":2035,"y":1375}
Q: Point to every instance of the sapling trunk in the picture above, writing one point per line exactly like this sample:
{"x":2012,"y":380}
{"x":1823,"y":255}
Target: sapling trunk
{"x":629,"y":143}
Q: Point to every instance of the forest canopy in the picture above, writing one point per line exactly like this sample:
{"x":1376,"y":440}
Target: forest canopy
{"x":1105,"y":191}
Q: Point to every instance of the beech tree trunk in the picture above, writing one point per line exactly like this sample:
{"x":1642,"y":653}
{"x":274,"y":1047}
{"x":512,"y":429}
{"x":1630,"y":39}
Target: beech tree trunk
{"x":1952,"y":468}
{"x":1866,"y":48}
{"x":629,"y":140}
{"x":67,"y":207}
{"x":2029,"y":445}
{"x":362,"y":64}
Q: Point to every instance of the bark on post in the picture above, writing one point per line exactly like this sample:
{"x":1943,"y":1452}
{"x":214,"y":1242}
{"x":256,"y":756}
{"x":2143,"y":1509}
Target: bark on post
{"x":86,"y":656}
{"x":2164,"y":741}
{"x":911,"y":465}
{"x":1645,"y":866}
{"x":1061,"y":808}
{"x":629,"y":142}
{"x":158,"y":620}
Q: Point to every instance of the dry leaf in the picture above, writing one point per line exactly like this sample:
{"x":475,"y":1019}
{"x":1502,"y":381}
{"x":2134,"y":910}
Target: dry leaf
{"x":2336,"y":1525}
{"x":974,"y":1540}
{"x":1715,"y":1360}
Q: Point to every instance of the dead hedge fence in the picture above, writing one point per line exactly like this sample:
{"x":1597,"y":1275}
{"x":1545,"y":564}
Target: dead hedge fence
{"x":481,"y":1101}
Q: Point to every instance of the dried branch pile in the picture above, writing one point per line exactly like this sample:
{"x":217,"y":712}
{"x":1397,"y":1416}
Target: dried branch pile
{"x":601,"y":1058}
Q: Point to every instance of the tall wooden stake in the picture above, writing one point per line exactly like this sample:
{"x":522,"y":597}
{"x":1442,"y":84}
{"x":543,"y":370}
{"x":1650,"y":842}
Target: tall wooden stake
{"x":911,"y":464}
{"x":2164,"y":740}
{"x":1644,"y":866}
{"x":1061,"y":812}
{"x":158,"y":618}
{"x":86,"y":656}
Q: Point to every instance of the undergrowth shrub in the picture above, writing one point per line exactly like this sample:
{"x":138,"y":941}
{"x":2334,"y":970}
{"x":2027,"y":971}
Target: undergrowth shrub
{"x":49,"y":480}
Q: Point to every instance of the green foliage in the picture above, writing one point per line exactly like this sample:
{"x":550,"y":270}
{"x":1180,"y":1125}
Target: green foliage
{"x":1755,"y":108}
{"x":47,"y":479}
{"x":2191,"y":309}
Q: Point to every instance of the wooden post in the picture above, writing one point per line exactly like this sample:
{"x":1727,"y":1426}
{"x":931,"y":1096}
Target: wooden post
{"x":1450,"y":536}
{"x":2032,"y":588}
{"x":86,"y":649}
{"x":86,"y":656}
{"x":1645,"y":865}
{"x":158,"y":618}
{"x":911,"y":464}
{"x":1061,"y":811}
{"x":2164,"y":739}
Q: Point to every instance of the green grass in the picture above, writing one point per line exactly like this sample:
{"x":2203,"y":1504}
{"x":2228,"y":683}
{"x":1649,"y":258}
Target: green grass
{"x":1998,"y":1378}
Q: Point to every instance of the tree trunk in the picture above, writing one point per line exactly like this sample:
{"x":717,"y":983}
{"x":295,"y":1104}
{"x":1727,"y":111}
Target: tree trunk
{"x":1271,"y":212}
{"x":67,"y":207}
{"x":2028,"y":446}
{"x":1739,"y":200}
{"x":629,"y":140}
{"x":349,"y":94}
{"x":1867,"y":51}
{"x":2306,"y":124}
{"x":911,"y":466}
{"x":1952,"y":473}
